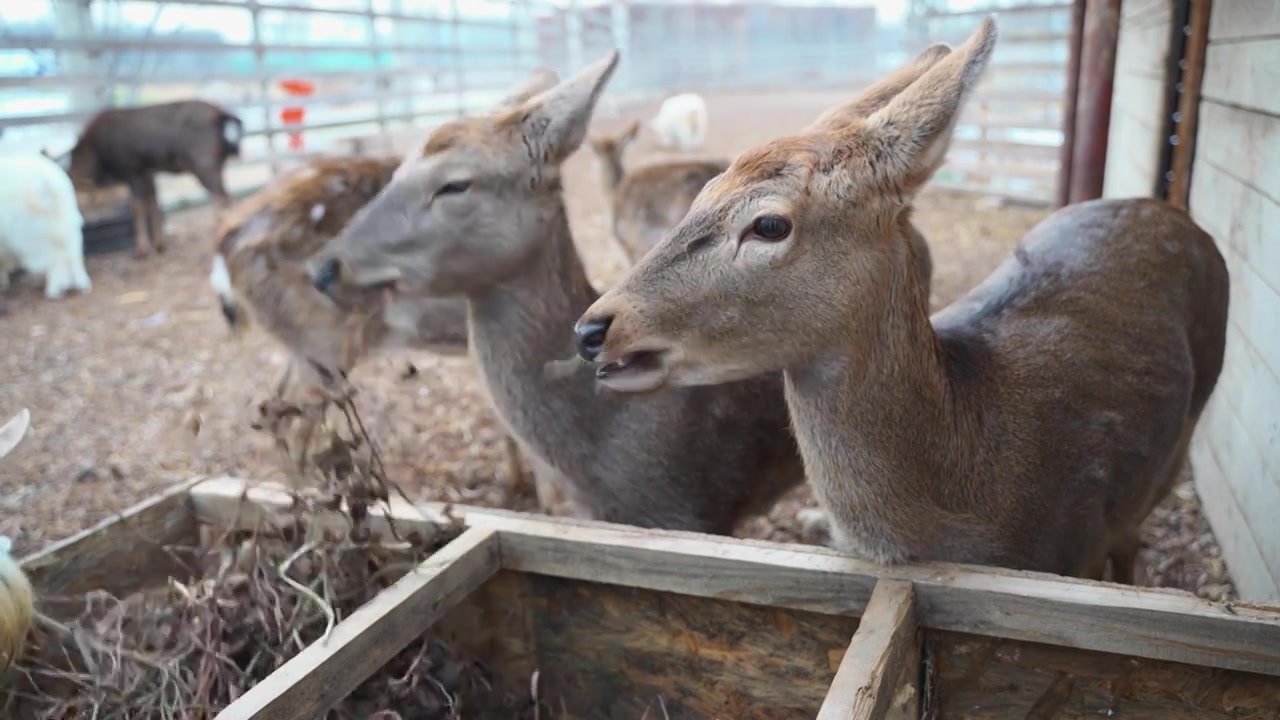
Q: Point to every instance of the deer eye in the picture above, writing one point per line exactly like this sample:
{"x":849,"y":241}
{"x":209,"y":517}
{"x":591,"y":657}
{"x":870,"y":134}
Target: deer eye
{"x":771,"y":227}
{"x":457,"y":187}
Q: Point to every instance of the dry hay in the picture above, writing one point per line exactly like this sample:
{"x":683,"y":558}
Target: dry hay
{"x":255,"y":600}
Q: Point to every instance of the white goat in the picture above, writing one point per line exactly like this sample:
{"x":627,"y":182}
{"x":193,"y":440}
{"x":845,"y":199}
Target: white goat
{"x":40,"y":225}
{"x":17,"y":600}
{"x":681,"y":122}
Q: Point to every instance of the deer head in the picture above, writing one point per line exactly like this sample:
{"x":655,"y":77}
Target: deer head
{"x":797,"y":248}
{"x":454,"y":220}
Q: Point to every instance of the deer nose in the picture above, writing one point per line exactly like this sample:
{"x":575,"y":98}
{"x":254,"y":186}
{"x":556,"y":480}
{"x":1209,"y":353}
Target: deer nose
{"x":326,"y":275}
{"x":591,"y":335}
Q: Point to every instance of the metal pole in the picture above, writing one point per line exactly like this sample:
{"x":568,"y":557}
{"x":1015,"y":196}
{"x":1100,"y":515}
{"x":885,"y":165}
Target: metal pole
{"x":1093,"y":106}
{"x":264,"y":84}
{"x":380,"y":79}
{"x":457,"y":58}
{"x":620,"y":26}
{"x":1069,"y":103}
{"x":573,"y":29}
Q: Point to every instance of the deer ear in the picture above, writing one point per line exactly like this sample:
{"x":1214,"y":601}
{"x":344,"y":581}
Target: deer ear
{"x":555,"y":121}
{"x":911,"y":133}
{"x":538,"y":81}
{"x":875,"y":96}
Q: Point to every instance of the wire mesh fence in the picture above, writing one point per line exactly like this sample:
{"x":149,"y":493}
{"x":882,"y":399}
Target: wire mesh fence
{"x":319,"y":76}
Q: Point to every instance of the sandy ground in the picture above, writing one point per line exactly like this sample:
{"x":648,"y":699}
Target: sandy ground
{"x":117,"y":380}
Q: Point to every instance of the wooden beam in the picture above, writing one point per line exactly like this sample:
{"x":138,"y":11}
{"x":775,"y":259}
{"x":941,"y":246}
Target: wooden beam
{"x":1035,"y":607}
{"x":319,"y":677}
{"x":879,"y":677}
{"x":1189,"y":102}
{"x":123,"y":553}
{"x":1069,"y":103}
{"x":1093,"y":99}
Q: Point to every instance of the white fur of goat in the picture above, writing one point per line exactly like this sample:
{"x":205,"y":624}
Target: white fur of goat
{"x":41,"y":225}
{"x":17,"y":600}
{"x":681,"y":122}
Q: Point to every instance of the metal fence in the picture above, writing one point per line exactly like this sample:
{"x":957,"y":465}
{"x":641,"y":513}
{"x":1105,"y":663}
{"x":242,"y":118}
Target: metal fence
{"x":310,"y":76}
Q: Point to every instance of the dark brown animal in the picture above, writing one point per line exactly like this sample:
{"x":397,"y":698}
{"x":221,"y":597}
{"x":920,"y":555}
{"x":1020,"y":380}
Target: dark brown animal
{"x":1032,"y":424}
{"x":648,"y":201}
{"x":131,"y":145}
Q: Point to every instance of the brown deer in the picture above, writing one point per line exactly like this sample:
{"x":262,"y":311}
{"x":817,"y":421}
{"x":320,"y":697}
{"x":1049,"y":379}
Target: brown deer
{"x":648,"y":201}
{"x":260,"y":279}
{"x":132,"y":145}
{"x":1032,"y":424}
{"x":480,"y":212}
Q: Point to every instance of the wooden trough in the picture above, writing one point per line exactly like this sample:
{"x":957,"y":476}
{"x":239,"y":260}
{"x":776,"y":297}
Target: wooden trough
{"x":621,"y":622}
{"x":108,"y":220}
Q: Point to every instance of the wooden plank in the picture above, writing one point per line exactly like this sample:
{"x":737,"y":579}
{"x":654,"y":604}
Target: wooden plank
{"x":1252,"y":577}
{"x":122,"y":553}
{"x":978,"y":678}
{"x":884,"y":652}
{"x":1244,"y":74}
{"x":1242,"y":143}
{"x":317,"y":678}
{"x":1152,"y":623}
{"x":1189,"y":102}
{"x":1239,"y":216}
{"x":1144,"y":44}
{"x":1244,"y":19}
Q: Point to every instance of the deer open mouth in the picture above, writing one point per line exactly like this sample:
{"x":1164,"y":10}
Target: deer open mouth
{"x":636,"y":371}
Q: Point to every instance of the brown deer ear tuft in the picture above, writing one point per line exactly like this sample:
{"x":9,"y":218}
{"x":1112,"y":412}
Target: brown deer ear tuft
{"x":878,"y":94}
{"x":913,"y":130}
{"x":555,"y":121}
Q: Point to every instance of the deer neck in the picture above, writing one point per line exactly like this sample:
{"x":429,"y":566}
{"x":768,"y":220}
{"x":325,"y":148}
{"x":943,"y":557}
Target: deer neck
{"x":525,"y":322}
{"x":874,"y":418}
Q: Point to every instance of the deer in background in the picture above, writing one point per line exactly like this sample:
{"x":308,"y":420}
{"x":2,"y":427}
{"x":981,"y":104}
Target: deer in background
{"x":132,"y":145}
{"x":1032,"y":424}
{"x":480,"y":212}
{"x":648,"y":201}
{"x":17,"y":600}
{"x":260,"y":279}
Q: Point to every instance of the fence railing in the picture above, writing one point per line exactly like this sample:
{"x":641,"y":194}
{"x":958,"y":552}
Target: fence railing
{"x":382,"y":71}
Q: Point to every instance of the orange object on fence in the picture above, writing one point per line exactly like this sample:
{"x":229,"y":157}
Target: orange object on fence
{"x":295,"y":114}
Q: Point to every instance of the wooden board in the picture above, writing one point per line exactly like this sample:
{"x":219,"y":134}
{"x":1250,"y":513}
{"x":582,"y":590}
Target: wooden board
{"x":1244,"y":74}
{"x":879,"y":677}
{"x":1244,"y":19}
{"x":317,"y":678}
{"x":979,"y":678}
{"x":122,"y":553}
{"x":607,"y":651}
{"x":1037,"y":607}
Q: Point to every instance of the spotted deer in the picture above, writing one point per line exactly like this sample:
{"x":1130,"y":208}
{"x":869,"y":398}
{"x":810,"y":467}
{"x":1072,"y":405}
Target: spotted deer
{"x":480,"y":212}
{"x":649,"y":200}
{"x":260,"y":279}
{"x":1032,"y":424}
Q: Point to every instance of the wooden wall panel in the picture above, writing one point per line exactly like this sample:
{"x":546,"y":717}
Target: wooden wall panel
{"x":1138,"y":111}
{"x":1235,"y":195}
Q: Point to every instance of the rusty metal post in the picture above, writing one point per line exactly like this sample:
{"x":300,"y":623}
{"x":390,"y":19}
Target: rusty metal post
{"x":1067,"y":152}
{"x":1093,"y":99}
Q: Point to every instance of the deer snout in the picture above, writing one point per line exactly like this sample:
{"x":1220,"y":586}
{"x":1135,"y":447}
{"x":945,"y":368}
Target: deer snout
{"x":591,"y":335}
{"x":326,"y":274}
